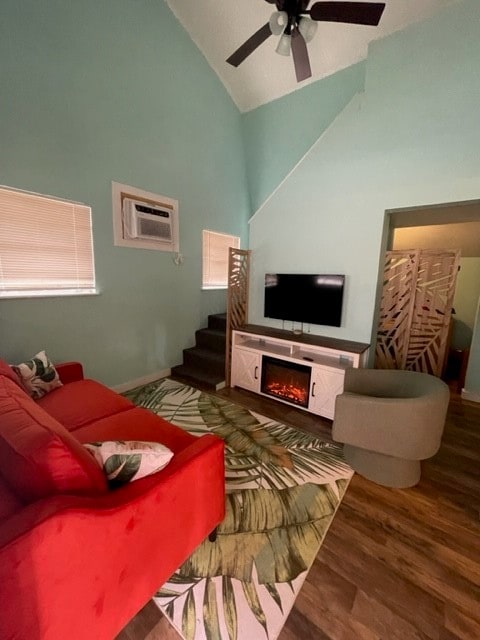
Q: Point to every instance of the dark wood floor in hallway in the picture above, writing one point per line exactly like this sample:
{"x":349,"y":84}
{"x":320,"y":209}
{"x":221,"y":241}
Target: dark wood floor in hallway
{"x":395,"y":564}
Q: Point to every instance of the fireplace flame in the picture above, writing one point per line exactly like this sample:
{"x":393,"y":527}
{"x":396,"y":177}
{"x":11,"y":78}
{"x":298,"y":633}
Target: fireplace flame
{"x":288,"y":392}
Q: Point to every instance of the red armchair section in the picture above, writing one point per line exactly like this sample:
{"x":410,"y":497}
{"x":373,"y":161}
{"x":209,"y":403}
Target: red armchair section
{"x":77,"y":564}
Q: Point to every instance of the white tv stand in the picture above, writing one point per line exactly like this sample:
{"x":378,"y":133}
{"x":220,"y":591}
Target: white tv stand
{"x":325,"y":358}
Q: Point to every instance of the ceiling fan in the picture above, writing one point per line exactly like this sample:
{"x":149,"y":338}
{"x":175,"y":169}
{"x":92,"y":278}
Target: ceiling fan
{"x":297,"y":25}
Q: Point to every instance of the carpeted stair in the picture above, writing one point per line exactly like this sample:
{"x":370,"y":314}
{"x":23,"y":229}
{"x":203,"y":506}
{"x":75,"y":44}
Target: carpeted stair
{"x":204,"y":363}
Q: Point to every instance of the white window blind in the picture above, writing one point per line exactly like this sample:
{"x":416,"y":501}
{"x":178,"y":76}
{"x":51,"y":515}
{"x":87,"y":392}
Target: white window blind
{"x":215,"y":258}
{"x":46,"y":246}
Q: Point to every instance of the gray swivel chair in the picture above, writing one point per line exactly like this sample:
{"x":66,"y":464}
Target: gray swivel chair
{"x":389,"y":420}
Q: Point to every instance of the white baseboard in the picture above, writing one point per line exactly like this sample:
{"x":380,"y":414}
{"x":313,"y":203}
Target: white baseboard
{"x":126,"y":386}
{"x":470,"y":396}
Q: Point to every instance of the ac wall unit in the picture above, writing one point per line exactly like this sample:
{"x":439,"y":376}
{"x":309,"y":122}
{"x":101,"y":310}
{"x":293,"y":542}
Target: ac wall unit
{"x":149,"y":222}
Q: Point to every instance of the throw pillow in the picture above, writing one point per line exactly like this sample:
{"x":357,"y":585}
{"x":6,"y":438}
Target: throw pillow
{"x":38,"y":375}
{"x":126,"y":461}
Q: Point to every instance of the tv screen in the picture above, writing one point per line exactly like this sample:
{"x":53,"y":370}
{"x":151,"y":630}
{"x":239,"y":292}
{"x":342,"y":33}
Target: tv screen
{"x":308,"y":298}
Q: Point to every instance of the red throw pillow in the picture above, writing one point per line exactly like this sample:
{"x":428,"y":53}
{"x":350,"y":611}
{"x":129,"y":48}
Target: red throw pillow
{"x":7,"y":371}
{"x":39,"y":457}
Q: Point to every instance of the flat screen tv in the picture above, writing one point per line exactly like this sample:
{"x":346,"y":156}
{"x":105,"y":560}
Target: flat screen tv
{"x":307,"y":298}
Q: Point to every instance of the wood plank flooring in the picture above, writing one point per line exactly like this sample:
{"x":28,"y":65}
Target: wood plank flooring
{"x":395,"y":564}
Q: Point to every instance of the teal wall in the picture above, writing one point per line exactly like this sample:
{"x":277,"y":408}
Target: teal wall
{"x":412,"y":138}
{"x":277,"y":135}
{"x":95,"y":91}
{"x":472,"y":385}
{"x":467,"y":294}
{"x":99,"y":91}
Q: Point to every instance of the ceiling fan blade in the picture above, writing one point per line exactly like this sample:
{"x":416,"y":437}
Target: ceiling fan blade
{"x":368,"y":13}
{"x":300,"y":56}
{"x":250,"y":45}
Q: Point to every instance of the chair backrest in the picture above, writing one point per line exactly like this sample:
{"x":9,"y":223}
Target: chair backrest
{"x":414,"y":407}
{"x":394,"y":383}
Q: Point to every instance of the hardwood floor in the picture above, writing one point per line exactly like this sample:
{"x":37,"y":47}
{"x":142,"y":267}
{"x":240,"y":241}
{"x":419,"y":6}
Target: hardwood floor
{"x":395,"y":564}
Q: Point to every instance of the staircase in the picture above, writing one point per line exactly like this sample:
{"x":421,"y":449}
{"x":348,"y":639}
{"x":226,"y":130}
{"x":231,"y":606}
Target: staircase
{"x":204,"y":364}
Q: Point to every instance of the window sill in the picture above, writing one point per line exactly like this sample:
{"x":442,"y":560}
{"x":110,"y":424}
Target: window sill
{"x":52,"y":293}
{"x":214,"y":288}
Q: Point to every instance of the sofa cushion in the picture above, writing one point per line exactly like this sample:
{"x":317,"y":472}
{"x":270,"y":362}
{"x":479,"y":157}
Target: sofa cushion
{"x":124,"y":461}
{"x":39,"y":457}
{"x":136,"y":424}
{"x":78,"y":403}
{"x":38,"y":375}
{"x":7,"y":371}
{"x":9,"y":502}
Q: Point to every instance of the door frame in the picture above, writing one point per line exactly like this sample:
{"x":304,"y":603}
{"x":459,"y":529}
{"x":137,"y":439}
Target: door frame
{"x":444,"y":213}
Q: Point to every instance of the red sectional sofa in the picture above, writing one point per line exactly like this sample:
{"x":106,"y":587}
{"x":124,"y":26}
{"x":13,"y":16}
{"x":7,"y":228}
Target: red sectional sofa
{"x":78,"y":560}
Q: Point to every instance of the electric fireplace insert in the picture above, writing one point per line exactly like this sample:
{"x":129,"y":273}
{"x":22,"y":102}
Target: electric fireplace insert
{"x":286,"y":381}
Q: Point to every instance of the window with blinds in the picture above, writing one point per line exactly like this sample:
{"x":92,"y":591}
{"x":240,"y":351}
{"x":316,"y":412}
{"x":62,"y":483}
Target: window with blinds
{"x":46,"y":246}
{"x":215,"y":258}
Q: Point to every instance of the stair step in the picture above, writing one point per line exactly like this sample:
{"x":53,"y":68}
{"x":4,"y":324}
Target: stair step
{"x":211,"y":339}
{"x":204,"y":364}
{"x":204,"y":360}
{"x":218,"y":322}
{"x":195,"y":376}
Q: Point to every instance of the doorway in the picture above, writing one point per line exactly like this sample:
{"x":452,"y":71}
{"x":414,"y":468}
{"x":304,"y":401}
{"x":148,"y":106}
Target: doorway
{"x":448,"y":226}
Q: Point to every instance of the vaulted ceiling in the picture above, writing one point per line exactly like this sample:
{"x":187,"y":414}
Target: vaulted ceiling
{"x":219,"y":27}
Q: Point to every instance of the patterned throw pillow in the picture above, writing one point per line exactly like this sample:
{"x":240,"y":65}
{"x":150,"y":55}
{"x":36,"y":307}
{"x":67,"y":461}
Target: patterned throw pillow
{"x":38,"y":375}
{"x":126,"y":461}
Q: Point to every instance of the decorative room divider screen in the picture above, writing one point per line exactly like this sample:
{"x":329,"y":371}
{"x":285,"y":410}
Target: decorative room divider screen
{"x":237,"y":302}
{"x":416,"y":308}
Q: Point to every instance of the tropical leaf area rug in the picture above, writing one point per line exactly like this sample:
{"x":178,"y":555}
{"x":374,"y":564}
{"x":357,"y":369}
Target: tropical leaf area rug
{"x":283,"y":488}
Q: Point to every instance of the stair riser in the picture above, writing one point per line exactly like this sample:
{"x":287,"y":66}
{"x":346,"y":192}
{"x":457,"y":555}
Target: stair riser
{"x":197,"y":377}
{"x":205,"y":363}
{"x":208,"y":341}
{"x":212,"y":365}
{"x":217,"y":322}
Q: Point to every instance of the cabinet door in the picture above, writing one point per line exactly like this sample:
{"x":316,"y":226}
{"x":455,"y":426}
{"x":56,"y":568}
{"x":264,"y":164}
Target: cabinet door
{"x":325,"y":386}
{"x":246,"y":369}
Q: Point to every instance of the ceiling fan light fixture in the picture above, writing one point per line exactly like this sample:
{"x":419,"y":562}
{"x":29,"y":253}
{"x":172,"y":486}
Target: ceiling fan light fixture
{"x":308,"y":28}
{"x":284,"y":45}
{"x":297,"y":24}
{"x":278,"y":21}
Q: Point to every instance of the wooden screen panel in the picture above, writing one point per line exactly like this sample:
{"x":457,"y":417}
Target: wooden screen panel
{"x":237,"y":301}
{"x":396,"y":309}
{"x":434,"y":293}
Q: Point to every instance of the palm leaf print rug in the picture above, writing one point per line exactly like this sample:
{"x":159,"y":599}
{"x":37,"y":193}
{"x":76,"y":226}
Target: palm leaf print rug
{"x":283,"y":489}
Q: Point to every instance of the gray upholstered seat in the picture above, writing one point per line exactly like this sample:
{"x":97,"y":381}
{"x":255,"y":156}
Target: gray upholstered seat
{"x":389,"y":420}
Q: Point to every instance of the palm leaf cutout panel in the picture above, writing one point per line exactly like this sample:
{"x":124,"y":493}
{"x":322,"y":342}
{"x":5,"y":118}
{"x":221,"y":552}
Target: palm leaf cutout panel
{"x":434,"y":293}
{"x":237,"y":299}
{"x":415,"y":311}
{"x":396,"y":309}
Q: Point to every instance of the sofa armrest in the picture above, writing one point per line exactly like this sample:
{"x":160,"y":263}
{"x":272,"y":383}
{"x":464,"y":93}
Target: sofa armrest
{"x":70,"y":371}
{"x":99,"y":559}
{"x":35,"y":514}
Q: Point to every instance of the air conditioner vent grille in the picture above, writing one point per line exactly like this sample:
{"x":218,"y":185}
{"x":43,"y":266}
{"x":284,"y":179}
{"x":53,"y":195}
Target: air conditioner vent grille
{"x":155,"y":229}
